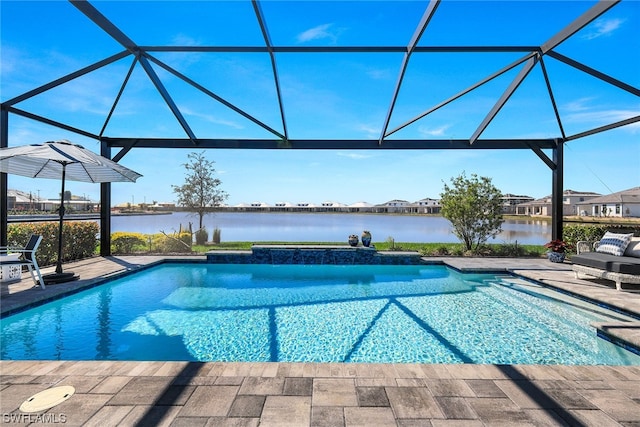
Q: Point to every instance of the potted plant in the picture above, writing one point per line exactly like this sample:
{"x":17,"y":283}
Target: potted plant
{"x":557,"y":250}
{"x":353,"y":240}
{"x":366,"y":238}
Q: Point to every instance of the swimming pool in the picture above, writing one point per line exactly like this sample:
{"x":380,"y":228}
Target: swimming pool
{"x":314,"y":313}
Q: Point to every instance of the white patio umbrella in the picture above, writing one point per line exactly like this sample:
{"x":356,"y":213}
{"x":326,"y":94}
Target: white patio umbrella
{"x":65,"y":161}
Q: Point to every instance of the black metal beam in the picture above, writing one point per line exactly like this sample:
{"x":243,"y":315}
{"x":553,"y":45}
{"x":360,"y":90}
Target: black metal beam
{"x":333,"y":144}
{"x":422,"y":25}
{"x":67,"y":78}
{"x":164,"y":93}
{"x":4,"y":182}
{"x":274,"y":68}
{"x":595,"y":73}
{"x":215,"y":96}
{"x":340,"y":49}
{"x":462,"y":93}
{"x":610,"y":126}
{"x":531,"y":62}
{"x":105,"y":207}
{"x":115,"y":102}
{"x":552,"y":97}
{"x":582,"y":21}
{"x":50,"y":122}
{"x":557,"y":183}
{"x":101,"y":21}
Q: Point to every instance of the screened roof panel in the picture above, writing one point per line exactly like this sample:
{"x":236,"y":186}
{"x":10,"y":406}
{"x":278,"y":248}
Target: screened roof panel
{"x":208,"y":118}
{"x":185,"y":23}
{"x":582,"y":110}
{"x":142,"y":111}
{"x":519,"y":23}
{"x":526,"y":115}
{"x":318,"y":102}
{"x":594,"y":45}
{"x":460,"y":118}
{"x":299,"y":85}
{"x":433,"y":78}
{"x":85,"y":102}
{"x":62,"y":47}
{"x":336,"y":23}
{"x":244,"y":80}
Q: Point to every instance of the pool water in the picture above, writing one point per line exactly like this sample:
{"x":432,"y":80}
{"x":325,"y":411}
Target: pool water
{"x":314,"y":313}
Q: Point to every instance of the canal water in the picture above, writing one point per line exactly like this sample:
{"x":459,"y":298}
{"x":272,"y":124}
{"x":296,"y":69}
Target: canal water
{"x":326,"y":227}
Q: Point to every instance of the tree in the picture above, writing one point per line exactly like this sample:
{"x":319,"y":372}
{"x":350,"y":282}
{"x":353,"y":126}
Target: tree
{"x":474,"y":208}
{"x":200,"y":191}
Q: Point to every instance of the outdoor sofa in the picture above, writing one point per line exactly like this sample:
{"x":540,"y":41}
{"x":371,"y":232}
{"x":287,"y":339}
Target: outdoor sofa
{"x":615,"y":257}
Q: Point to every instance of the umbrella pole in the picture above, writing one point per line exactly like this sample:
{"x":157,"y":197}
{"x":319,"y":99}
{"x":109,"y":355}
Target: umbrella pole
{"x":61,"y":211}
{"x":59,"y":276}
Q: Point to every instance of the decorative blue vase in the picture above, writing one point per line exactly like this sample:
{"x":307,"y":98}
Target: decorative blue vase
{"x":353,"y":240}
{"x":556,"y":256}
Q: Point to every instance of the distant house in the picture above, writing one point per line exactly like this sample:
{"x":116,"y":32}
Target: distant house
{"x":542,"y":207}
{"x":426,"y":206}
{"x":330,"y":206}
{"x":510,"y":201}
{"x":21,"y":200}
{"x":258,"y":206}
{"x":282,"y":207}
{"x":394,"y":206}
{"x":360,"y":207}
{"x":624,"y":203}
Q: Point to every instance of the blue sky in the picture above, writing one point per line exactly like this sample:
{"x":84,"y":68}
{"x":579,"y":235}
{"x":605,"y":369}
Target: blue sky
{"x":343,"y":96}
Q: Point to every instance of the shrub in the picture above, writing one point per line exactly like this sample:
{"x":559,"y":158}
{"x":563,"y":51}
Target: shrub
{"x":176,"y":242}
{"x":573,"y":233}
{"x":202,"y":236}
{"x":79,"y":239}
{"x":442,"y":250}
{"x":127,"y":243}
{"x":216,"y":236}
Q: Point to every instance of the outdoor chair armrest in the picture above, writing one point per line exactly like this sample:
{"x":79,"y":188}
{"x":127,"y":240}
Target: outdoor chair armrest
{"x":16,"y":251}
{"x":583,"y":246}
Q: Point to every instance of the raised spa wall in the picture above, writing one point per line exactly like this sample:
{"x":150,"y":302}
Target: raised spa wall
{"x":336,"y":255}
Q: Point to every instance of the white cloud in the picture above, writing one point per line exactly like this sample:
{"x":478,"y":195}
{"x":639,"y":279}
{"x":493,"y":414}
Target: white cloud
{"x":441,"y":131}
{"x":606,"y":116}
{"x":578,"y":104}
{"x":184,"y":40}
{"x":370,"y":131}
{"x":210,"y":118}
{"x":379,"y":74}
{"x":317,"y":33}
{"x":603,"y":27}
{"x":354,"y":156}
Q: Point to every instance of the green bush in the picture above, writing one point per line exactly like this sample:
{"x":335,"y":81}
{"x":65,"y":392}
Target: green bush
{"x":79,"y":239}
{"x":127,"y":243}
{"x":216,"y":235}
{"x":593,"y":232}
{"x":173,"y":243}
{"x":202,"y":236}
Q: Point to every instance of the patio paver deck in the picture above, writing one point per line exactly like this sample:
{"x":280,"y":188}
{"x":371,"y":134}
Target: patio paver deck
{"x":332,"y":394}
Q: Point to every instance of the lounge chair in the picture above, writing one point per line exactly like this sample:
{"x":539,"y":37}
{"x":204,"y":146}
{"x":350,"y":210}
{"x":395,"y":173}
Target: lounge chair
{"x":27,"y":257}
{"x":618,"y":263}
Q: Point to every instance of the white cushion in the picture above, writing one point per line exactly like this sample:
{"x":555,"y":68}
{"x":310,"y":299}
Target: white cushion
{"x":633,"y":249}
{"x":613,"y":243}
